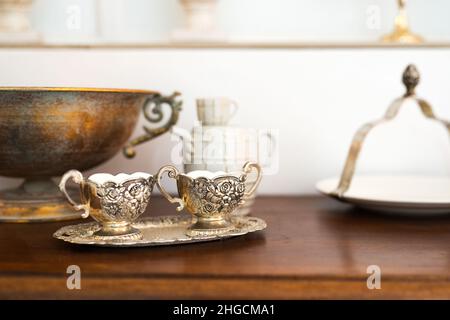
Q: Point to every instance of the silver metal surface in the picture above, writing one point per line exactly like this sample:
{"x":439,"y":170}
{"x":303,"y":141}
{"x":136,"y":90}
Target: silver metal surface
{"x":411,"y":78}
{"x":212,"y":199}
{"x":157,"y":231}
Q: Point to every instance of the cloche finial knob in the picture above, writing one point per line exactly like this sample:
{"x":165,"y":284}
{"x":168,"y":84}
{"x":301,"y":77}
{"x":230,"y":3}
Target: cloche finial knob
{"x":411,"y":78}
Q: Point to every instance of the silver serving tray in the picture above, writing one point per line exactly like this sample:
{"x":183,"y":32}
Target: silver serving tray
{"x":157,"y":231}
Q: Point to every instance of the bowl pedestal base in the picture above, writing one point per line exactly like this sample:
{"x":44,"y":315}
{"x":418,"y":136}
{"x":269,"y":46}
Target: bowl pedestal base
{"x":35,"y":200}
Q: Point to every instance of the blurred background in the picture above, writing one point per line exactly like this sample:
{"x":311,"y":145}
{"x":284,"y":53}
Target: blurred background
{"x":312,"y":70}
{"x":127,"y":21}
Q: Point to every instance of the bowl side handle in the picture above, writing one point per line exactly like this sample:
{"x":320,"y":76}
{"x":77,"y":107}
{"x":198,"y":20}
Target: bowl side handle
{"x":153,"y":113}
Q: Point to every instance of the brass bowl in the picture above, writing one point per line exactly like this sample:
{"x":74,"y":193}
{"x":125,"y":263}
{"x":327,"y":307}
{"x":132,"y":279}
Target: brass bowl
{"x":47,"y":131}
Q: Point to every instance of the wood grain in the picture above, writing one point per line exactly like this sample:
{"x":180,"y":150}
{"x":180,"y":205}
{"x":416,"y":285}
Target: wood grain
{"x":313,"y":247}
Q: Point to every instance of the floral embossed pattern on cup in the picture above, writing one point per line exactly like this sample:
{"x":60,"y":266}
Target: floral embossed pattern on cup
{"x":210,"y":196}
{"x":113,"y":201}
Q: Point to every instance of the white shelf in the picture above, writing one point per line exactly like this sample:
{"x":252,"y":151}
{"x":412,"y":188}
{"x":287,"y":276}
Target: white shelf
{"x":226,"y":45}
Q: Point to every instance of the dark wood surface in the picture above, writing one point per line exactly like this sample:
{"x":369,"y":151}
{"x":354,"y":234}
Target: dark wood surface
{"x":314,"y":247}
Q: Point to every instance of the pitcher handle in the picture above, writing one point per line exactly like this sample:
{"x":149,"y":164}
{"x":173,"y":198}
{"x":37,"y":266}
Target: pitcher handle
{"x":172,"y":172}
{"x":272,"y":142}
{"x":235,"y":108}
{"x":154,"y":114}
{"x":248,"y":166}
{"x":76,"y":177}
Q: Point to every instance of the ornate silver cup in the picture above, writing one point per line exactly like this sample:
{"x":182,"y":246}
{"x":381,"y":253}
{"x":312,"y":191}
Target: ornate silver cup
{"x":210,"y":196}
{"x":113,"y":201}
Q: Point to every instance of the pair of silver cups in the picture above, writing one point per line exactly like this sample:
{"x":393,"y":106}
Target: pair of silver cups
{"x":115,"y":202}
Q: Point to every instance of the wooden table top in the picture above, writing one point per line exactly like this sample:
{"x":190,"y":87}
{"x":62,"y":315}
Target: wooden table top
{"x":313,"y":247}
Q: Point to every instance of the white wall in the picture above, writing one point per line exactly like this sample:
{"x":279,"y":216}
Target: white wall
{"x":315,"y":98}
{"x":307,"y":20}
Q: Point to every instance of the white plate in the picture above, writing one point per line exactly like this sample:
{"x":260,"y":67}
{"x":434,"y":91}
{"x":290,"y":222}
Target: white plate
{"x":395,"y":194}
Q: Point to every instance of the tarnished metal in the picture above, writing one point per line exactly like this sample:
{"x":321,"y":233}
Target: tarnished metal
{"x":411,"y":78}
{"x":157,"y":231}
{"x":113,"y":201}
{"x":210,"y":197}
{"x":46,"y":131}
{"x":153,"y":113}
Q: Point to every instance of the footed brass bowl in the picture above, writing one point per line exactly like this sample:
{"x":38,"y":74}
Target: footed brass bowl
{"x":47,"y":131}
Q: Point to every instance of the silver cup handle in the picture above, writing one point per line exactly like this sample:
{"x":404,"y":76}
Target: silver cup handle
{"x":172,"y":172}
{"x":76,"y":177}
{"x":248,"y":166}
